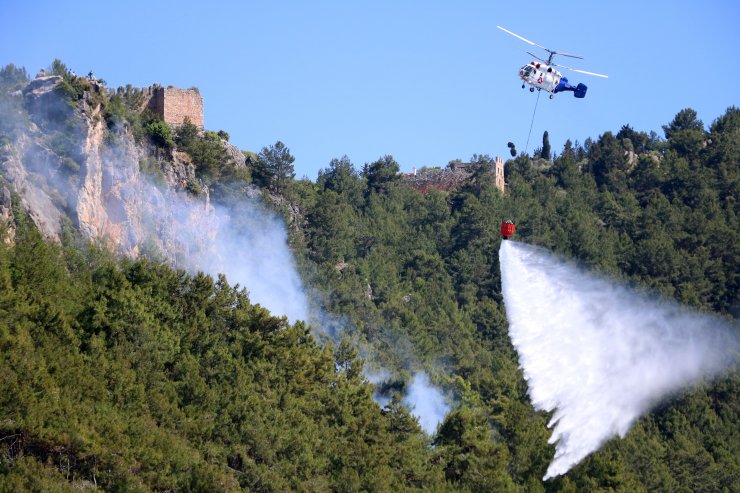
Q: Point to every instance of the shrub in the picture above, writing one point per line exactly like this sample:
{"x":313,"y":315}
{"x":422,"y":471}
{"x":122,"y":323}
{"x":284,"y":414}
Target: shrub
{"x":115,"y":111}
{"x":70,"y":165}
{"x":194,"y":187}
{"x":160,"y":134}
{"x":150,"y":168}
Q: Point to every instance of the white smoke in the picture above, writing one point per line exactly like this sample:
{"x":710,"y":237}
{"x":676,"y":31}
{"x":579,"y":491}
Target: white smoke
{"x":252,"y":252}
{"x":249,"y":244}
{"x":378,"y":378}
{"x":112,"y":200}
{"x":598,"y":354}
{"x":256,"y":255}
{"x":426,"y":402}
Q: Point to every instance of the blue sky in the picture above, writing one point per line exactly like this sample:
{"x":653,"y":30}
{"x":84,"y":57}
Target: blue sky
{"x":424,"y":81}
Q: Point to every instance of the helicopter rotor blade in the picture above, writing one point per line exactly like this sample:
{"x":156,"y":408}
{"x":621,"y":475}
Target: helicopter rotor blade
{"x":566,"y":54}
{"x":538,"y":58}
{"x":523,"y":39}
{"x":582,"y":71}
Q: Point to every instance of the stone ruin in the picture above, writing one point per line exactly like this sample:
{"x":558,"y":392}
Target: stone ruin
{"x":171,"y":104}
{"x":452,"y":177}
{"x":175,"y":105}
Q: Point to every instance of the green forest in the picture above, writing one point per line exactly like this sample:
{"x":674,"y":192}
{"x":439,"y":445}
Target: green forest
{"x":130,"y":375}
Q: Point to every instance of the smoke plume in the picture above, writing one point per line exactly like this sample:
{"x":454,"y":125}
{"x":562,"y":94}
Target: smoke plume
{"x":426,"y":403}
{"x":256,"y":256}
{"x":99,"y":184}
{"x":600,"y":355}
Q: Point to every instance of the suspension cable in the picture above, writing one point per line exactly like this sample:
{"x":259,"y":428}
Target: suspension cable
{"x":532,"y":124}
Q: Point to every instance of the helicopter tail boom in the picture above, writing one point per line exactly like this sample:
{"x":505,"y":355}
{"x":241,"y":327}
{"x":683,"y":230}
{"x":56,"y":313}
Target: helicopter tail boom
{"x":579,"y":91}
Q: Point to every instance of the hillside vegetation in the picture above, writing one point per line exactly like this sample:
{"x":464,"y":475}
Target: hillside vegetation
{"x":129,"y":375}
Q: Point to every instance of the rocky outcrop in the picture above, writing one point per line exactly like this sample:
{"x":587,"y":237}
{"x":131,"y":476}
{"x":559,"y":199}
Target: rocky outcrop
{"x":436,"y":179}
{"x":30,"y":168}
{"x":90,"y":176}
{"x":235,"y":154}
{"x":121,"y":206}
{"x":42,"y":99}
{"x":37,"y":91}
{"x":7,"y":225}
{"x":180,"y":171}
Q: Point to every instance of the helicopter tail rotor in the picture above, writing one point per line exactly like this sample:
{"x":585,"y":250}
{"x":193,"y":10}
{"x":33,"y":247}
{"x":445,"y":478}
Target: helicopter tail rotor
{"x":580,"y":91}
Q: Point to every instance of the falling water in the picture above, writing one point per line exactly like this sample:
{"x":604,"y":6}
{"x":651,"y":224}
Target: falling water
{"x":598,"y":354}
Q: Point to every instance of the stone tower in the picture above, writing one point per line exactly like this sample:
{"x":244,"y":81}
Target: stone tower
{"x":499,"y":171}
{"x":174,"y":105}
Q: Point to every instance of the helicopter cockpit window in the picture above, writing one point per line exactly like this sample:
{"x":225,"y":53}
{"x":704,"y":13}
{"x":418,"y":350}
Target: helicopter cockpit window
{"x":527,"y":70}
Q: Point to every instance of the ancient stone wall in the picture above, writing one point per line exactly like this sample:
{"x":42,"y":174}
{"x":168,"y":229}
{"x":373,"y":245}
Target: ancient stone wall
{"x":436,"y":179}
{"x":455,"y":175}
{"x":174,"y":105}
{"x":499,"y":171}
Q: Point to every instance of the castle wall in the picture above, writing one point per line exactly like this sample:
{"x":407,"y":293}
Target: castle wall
{"x":174,"y":105}
{"x":499,"y":166}
{"x":451,"y":178}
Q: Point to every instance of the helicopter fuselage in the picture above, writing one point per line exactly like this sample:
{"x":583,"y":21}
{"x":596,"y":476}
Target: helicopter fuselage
{"x":541,"y":76}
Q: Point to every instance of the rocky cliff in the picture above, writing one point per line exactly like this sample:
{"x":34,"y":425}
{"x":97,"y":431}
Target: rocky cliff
{"x":73,"y":158}
{"x":66,"y":165}
{"x":7,"y":223}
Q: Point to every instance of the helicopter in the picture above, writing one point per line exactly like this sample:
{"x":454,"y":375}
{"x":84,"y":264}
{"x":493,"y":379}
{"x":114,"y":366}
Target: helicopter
{"x":541,"y":74}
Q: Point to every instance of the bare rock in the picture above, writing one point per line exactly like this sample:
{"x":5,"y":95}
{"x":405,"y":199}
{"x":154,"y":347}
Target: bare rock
{"x":7,"y":224}
{"x":236,"y":155}
{"x":43,"y":101}
{"x":41,"y":86}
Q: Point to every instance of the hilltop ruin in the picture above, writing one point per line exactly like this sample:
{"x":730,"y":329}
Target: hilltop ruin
{"x":452,"y":177}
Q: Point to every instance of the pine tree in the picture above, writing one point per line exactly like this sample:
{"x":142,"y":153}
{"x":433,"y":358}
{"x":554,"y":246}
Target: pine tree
{"x":545,"y":152}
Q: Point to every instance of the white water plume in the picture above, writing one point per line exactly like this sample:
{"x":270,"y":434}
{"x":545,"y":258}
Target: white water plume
{"x":598,"y":354}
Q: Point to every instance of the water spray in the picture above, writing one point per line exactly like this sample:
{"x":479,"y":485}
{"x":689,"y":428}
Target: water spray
{"x":599,"y":355}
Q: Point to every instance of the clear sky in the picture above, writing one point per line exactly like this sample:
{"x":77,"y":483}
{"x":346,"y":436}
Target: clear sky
{"x":424,"y":81}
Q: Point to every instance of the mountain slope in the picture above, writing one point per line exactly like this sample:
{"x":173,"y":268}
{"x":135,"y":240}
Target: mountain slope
{"x":131,"y":374}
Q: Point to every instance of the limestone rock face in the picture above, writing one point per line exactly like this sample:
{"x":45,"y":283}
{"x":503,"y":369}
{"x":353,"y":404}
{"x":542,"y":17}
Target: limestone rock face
{"x":43,"y":101}
{"x":236,"y":155}
{"x":40,"y":87}
{"x":121,"y":206}
{"x":7,"y":229}
{"x":32,"y":182}
{"x":180,"y":172}
{"x":71,"y":168}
